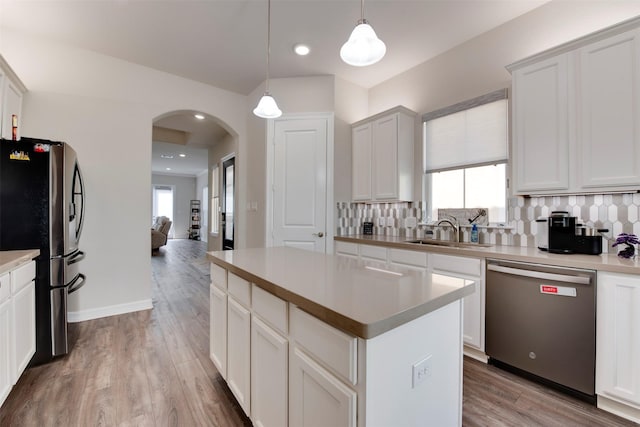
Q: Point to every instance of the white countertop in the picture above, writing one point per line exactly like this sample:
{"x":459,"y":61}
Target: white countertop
{"x":603,"y":262}
{"x":12,"y":259}
{"x":352,"y":295}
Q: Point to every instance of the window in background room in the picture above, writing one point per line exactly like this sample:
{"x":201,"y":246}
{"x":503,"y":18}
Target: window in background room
{"x":163,"y":201}
{"x":205,"y":214}
{"x":215,"y":200}
{"x":465,"y":156}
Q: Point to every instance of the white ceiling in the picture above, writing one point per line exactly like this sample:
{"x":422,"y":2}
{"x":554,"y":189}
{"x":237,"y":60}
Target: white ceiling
{"x":223,"y":42}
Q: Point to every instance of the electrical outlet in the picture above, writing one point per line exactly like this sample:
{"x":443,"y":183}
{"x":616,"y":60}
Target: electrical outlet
{"x":410,"y":222}
{"x":381,"y":222}
{"x":390,"y":222}
{"x":421,"y":371}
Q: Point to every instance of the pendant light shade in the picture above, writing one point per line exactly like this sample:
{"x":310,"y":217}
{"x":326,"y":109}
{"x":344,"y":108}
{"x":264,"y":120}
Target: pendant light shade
{"x":267,"y":107}
{"x":363,"y":47}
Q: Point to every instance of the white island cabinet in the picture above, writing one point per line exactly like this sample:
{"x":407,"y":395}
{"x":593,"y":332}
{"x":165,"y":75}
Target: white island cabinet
{"x":336,"y":341}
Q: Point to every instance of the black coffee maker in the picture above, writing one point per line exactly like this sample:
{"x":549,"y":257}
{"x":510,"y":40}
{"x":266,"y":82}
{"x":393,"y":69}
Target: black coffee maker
{"x":562,"y":232}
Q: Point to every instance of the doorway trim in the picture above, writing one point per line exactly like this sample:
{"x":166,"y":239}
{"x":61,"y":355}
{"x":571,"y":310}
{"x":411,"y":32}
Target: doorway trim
{"x":222,"y":195}
{"x":330,"y":208}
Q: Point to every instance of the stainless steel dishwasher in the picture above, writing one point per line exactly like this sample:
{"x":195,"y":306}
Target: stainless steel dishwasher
{"x":541,"y":320}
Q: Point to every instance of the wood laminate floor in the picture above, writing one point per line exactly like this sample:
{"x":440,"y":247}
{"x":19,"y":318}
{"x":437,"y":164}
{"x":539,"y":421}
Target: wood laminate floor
{"x":152,"y":368}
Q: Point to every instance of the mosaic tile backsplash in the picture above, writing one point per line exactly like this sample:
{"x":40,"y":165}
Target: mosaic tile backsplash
{"x":616,"y":212}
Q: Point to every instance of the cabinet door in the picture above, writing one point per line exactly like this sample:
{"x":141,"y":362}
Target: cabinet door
{"x":12,"y":104}
{"x":316,"y":397}
{"x":238,"y":353}
{"x":473,"y":305}
{"x":385,"y":158}
{"x":24,"y":327}
{"x":361,"y":162}
{"x":6,"y":349}
{"x":618,"y":337}
{"x":540,"y":128}
{"x":609,"y":113}
{"x":218,"y":330}
{"x":269,"y":375}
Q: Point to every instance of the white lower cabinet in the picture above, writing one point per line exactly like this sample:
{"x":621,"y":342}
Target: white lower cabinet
{"x":317,"y":397}
{"x":238,"y":353}
{"x":618,"y":344}
{"x":17,"y":324}
{"x":5,"y":350}
{"x":24,"y":326}
{"x":269,"y":374}
{"x":218,"y":330}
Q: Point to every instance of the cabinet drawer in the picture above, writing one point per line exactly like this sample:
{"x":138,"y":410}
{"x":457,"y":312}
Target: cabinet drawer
{"x":218,"y":276}
{"x":5,"y":287}
{"x":347,"y":248}
{"x":412,"y":258}
{"x":22,"y":276}
{"x":270,"y":308}
{"x":240,"y":289}
{"x":455,"y":264}
{"x":335,"y":349}
{"x":373,"y":252}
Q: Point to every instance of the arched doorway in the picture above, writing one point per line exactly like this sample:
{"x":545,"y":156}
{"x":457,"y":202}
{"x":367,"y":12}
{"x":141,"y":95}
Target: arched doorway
{"x":188,"y":147}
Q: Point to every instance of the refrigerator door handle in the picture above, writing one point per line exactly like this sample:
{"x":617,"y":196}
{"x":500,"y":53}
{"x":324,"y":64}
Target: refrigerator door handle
{"x":77,"y":257}
{"x":77,"y":283}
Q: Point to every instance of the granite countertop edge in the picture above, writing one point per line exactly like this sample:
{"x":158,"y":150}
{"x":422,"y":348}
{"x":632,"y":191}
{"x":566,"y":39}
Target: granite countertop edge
{"x":604,"y":262}
{"x":9,"y":260}
{"x":339,"y":320}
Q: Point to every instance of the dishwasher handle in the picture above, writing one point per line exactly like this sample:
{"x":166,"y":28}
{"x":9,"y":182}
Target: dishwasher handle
{"x":580,"y":280}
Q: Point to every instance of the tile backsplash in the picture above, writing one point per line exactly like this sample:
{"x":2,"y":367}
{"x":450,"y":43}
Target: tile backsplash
{"x":617,"y":212}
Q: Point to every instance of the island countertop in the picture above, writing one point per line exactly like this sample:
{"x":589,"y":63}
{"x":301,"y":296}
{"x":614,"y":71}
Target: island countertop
{"x":11,"y":259}
{"x":363,"y":298}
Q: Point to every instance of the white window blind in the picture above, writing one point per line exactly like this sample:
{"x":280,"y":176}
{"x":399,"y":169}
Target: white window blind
{"x":471,"y":133}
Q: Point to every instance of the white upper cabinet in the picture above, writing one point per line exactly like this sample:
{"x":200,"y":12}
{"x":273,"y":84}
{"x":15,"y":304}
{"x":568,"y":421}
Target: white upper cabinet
{"x":361,"y":162}
{"x":382,"y":156}
{"x":11,"y":93}
{"x":609,"y":112}
{"x":541,"y":126}
{"x":575,"y":116}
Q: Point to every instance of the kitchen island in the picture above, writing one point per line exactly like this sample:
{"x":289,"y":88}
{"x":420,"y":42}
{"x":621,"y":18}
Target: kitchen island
{"x":304,"y":338}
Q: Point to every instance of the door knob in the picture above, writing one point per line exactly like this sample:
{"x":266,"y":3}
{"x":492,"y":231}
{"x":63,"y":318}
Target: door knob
{"x":319,"y":234}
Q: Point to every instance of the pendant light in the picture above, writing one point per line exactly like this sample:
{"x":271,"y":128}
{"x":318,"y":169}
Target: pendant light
{"x":363,"y":47}
{"x":267,"y":107}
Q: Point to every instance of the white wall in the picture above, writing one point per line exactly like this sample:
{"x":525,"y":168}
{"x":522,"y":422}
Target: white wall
{"x":184,"y":190}
{"x":105,"y":108}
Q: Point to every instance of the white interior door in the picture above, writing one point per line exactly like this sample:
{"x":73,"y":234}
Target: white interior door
{"x":299,"y":187}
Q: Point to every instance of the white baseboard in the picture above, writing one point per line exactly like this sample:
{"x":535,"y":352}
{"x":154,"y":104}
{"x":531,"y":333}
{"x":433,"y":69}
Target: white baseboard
{"x":112,"y":310}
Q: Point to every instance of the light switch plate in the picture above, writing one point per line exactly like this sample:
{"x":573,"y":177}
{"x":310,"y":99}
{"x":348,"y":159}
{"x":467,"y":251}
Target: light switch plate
{"x":421,"y":371}
{"x":410,"y":222}
{"x":390,"y":222}
{"x":381,"y":222}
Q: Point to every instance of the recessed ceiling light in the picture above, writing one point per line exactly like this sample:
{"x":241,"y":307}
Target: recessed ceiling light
{"x":182,"y":155}
{"x":168,"y":169}
{"x":166,"y":156}
{"x":199,"y":116}
{"x":301,"y":49}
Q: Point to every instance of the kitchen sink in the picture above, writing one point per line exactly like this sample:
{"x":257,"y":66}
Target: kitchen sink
{"x":434,"y":242}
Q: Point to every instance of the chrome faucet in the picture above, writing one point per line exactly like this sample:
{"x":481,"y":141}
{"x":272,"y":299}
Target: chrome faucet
{"x":454,"y":224}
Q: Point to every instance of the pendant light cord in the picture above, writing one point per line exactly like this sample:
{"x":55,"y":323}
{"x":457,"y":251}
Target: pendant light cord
{"x":268,"y":42}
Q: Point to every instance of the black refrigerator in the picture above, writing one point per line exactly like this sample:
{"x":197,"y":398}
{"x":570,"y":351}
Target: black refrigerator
{"x":42,"y":207}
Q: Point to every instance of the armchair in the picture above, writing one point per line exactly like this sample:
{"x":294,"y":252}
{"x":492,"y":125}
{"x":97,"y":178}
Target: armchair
{"x":159,"y":232}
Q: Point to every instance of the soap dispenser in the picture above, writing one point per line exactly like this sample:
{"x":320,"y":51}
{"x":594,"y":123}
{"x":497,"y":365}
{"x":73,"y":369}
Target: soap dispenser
{"x":474,"y":233}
